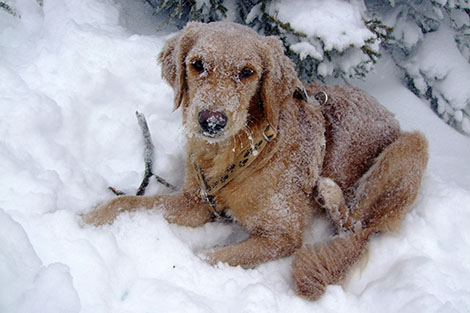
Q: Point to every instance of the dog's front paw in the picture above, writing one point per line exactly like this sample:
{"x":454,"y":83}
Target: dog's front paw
{"x":215,"y":257}
{"x":99,"y":216}
{"x":209,"y":257}
{"x":105,"y":213}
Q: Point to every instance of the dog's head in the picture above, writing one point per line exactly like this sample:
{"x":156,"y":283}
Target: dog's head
{"x":226,"y":76}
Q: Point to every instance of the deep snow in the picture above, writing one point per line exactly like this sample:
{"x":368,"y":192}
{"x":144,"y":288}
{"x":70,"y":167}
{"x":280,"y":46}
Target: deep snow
{"x":71,"y":77}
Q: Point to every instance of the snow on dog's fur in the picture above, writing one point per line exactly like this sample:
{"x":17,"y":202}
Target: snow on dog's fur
{"x":346,"y":157}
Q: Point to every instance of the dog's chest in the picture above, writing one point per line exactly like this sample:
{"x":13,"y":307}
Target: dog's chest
{"x":253,"y":190}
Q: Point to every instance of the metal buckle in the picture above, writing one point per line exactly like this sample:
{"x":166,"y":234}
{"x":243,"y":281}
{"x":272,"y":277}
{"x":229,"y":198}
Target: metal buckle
{"x":267,"y":137}
{"x":301,"y":93}
{"x":321,"y":97}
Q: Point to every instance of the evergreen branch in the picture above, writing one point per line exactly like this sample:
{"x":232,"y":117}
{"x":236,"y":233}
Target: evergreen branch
{"x":373,"y":55}
{"x":381,"y":30}
{"x":8,"y":9}
{"x":286,"y":26}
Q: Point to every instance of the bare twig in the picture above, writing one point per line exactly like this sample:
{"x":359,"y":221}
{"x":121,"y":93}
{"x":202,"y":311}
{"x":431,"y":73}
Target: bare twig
{"x":164,"y":182}
{"x":117,"y":192}
{"x":148,"y":153}
{"x":148,"y":157}
{"x":148,"y":160}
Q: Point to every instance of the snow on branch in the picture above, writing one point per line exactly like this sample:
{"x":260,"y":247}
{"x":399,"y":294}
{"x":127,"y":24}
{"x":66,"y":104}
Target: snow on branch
{"x":431,"y":45}
{"x":9,"y":9}
{"x":335,"y":39}
{"x":325,"y":39}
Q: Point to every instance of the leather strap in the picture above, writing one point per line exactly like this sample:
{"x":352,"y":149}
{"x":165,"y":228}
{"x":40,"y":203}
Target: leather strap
{"x":209,"y":186}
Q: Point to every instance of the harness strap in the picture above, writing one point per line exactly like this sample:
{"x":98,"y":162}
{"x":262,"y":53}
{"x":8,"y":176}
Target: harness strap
{"x":209,"y":186}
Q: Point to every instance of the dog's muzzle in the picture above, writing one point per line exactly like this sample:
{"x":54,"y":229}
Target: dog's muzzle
{"x":212,"y":122}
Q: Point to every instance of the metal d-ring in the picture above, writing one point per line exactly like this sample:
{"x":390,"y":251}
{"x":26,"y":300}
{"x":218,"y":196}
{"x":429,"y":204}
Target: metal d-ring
{"x":321,"y":97}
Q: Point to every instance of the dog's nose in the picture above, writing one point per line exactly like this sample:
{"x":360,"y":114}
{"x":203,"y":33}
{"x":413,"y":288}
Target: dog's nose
{"x":212,"y":122}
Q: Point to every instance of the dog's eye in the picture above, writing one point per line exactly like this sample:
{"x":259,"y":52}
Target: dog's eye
{"x":246,"y":72}
{"x":198,"y":66}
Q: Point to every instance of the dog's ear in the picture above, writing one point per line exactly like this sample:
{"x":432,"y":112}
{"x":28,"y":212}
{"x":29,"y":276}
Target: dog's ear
{"x":279,"y":79}
{"x":172,"y":59}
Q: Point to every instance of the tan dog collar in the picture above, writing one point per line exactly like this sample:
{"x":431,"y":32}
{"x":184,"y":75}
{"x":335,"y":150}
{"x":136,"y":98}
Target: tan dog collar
{"x":209,"y":186}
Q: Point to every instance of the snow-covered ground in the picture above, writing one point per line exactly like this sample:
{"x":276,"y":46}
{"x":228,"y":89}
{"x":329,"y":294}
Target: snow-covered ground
{"x":71,"y":77}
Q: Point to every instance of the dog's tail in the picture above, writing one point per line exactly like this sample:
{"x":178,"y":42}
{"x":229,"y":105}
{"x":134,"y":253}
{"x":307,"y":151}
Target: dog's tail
{"x":327,"y":263}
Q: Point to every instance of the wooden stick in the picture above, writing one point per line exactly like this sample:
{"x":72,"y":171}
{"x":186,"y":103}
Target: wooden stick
{"x":148,"y":153}
{"x":148,"y":160}
{"x":164,"y":182}
{"x":117,"y":192}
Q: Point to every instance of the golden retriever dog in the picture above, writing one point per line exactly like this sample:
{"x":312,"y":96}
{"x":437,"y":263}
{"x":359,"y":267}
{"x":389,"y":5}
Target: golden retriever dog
{"x":271,"y":155}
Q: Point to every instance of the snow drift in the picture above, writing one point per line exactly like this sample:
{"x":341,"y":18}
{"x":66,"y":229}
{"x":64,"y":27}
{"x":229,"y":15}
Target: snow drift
{"x":72,"y":74}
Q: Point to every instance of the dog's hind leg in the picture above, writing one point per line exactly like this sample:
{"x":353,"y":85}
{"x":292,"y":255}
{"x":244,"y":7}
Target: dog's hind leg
{"x":384,"y":193}
{"x":382,"y":197}
{"x":390,"y":187}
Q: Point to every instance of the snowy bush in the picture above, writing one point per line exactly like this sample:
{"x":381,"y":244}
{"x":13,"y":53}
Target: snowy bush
{"x":432,"y":46}
{"x":5,"y":6}
{"x":11,"y":6}
{"x":428,"y":39}
{"x":324,"y":38}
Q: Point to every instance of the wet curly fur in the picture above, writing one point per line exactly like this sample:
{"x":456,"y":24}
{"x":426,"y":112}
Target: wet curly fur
{"x":346,"y":158}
